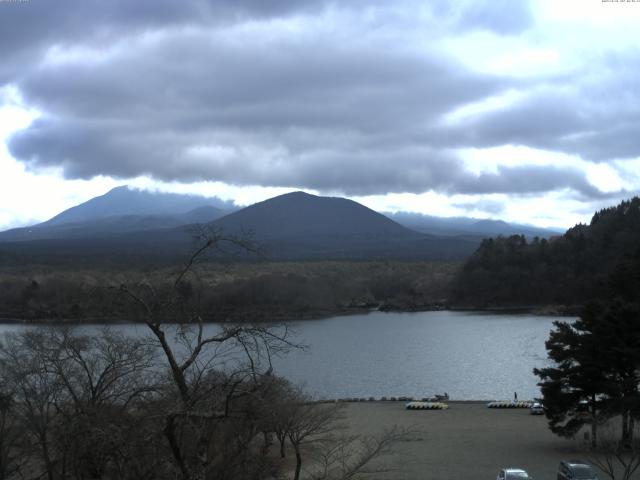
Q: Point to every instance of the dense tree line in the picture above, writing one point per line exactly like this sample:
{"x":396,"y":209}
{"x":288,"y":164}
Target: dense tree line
{"x":567,"y":270}
{"x":594,"y":377}
{"x":243,"y":291}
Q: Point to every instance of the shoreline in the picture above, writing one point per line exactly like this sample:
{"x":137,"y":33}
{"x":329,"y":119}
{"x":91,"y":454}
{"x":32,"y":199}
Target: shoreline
{"x":397,"y":400}
{"x":282,"y":317}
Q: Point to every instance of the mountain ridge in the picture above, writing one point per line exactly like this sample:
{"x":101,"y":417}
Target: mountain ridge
{"x":293,"y":226}
{"x":111,"y":225}
{"x":124,"y":200}
{"x":289,"y":214}
{"x":448,"y":226}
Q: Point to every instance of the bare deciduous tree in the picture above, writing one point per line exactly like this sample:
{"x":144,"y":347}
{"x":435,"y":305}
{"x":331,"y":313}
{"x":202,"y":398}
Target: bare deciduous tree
{"x":315,"y":430}
{"x":311,"y":423}
{"x":351,"y":456}
{"x":11,"y":459}
{"x":617,"y":459}
{"x":214,"y":371}
{"x":36,"y":390}
{"x":68,"y":389}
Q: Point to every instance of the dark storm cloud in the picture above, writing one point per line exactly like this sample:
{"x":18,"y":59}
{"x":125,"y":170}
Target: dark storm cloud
{"x":192,"y":91}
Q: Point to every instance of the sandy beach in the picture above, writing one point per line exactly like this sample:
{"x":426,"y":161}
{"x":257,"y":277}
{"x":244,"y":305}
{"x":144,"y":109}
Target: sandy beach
{"x":467,"y":441}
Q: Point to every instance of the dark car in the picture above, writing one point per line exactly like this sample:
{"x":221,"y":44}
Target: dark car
{"x":576,"y":470}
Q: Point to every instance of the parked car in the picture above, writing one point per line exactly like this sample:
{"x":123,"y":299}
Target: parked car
{"x":513,"y":474}
{"x":576,"y":470}
{"x":537,"y":409}
{"x":583,"y":409}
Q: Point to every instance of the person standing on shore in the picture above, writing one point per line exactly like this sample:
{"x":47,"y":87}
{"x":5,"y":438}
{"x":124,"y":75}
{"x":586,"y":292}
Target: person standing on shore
{"x":515,"y":396}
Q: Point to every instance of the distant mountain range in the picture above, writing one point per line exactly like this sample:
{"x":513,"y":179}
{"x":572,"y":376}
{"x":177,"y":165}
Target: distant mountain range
{"x":111,"y":225}
{"x":123,"y":210}
{"x":124,"y":201}
{"x":448,"y":226}
{"x":127,"y":223}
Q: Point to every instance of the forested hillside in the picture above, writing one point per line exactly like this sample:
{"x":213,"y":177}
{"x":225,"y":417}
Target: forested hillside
{"x":568,"y":270}
{"x":237,"y":291}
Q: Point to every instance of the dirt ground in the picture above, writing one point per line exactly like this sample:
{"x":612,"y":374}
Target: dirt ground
{"x":467,"y":441}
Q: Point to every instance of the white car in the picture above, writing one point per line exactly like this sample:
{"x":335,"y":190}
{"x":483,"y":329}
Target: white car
{"x":513,"y":474}
{"x":537,"y":409}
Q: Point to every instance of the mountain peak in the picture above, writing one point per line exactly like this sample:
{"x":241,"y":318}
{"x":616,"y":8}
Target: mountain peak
{"x":299,"y":193}
{"x":119,"y":188}
{"x":124,"y":200}
{"x":300,"y":214}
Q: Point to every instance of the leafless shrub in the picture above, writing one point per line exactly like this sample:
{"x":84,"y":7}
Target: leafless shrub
{"x":617,"y":459}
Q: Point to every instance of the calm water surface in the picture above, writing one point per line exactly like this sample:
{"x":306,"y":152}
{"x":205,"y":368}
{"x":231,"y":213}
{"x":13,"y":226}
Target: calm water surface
{"x":468,"y":355}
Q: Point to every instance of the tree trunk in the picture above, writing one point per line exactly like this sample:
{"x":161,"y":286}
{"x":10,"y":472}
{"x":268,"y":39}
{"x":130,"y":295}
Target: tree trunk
{"x":296,"y":447}
{"x":267,"y":443}
{"x":282,"y":440}
{"x":45,"y":454}
{"x":169,"y":432}
{"x":594,"y":423}
{"x":176,"y":371}
{"x":625,"y":426}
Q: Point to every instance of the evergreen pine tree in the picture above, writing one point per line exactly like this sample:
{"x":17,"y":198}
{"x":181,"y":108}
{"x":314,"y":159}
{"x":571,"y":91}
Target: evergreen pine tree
{"x":597,"y":366}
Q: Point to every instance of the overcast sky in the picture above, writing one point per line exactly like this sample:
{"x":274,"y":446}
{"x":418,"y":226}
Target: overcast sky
{"x":525,"y":111}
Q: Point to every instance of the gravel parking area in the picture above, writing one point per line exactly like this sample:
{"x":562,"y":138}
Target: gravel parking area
{"x":467,"y":441}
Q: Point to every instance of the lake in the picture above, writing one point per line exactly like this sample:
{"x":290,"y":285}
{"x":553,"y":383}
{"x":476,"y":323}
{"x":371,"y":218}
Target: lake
{"x":469,"y":355}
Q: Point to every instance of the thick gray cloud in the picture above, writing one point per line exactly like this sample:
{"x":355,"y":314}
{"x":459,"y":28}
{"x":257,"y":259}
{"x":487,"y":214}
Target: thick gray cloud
{"x":26,"y":24}
{"x":44,"y":22}
{"x":529,"y":179}
{"x":29,"y":29}
{"x":219,"y":90}
{"x":196,"y":106}
{"x":594,"y":114}
{"x":501,"y":16}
